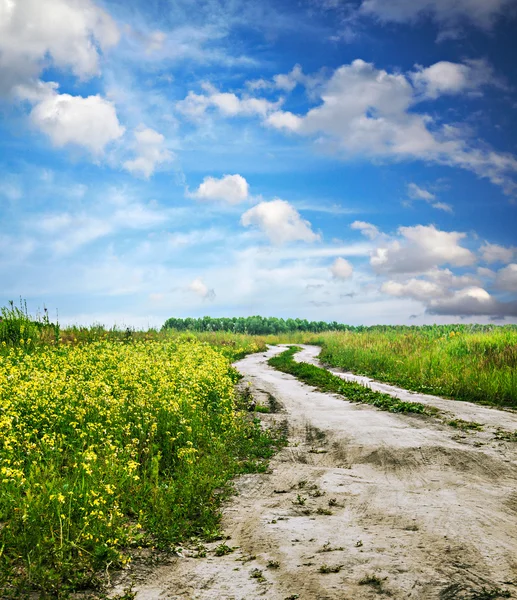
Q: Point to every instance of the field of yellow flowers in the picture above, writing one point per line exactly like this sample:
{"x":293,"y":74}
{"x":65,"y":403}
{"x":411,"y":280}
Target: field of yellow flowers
{"x":109,"y":445}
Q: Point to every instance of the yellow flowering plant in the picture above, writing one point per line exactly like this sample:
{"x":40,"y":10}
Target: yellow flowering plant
{"x":107,"y":445}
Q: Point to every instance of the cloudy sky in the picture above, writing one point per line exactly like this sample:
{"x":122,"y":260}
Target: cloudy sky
{"x":324,"y":159}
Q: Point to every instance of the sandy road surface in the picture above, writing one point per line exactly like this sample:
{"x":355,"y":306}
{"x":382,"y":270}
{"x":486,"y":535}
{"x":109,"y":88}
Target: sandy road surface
{"x":417,"y":509}
{"x":468,"y":411}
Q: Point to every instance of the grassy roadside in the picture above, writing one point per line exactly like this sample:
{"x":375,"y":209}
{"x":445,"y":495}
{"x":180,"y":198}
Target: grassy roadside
{"x":473,"y":366}
{"x":354,"y":392}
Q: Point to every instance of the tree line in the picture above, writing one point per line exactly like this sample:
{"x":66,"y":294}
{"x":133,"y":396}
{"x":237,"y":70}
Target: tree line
{"x":257,"y":325}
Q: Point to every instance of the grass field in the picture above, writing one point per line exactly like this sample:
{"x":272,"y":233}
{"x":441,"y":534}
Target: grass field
{"x":475,"y":366}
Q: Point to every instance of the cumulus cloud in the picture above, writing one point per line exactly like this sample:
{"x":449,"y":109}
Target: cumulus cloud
{"x":435,"y":283}
{"x":66,"y":33}
{"x":491,"y":253}
{"x":286,"y":121}
{"x":418,"y":289}
{"x":481,"y":13}
{"x":506,"y":278}
{"x":228,"y":104}
{"x":341,"y":269}
{"x":444,"y":293}
{"x":151,"y":152}
{"x":369,"y":111}
{"x":290,"y":80}
{"x":445,"y":77}
{"x":90,"y":122}
{"x":229,"y":188}
{"x":447,"y":279}
{"x":472,"y":301}
{"x":286,"y":82}
{"x":367,"y":229}
{"x":280,"y":221}
{"x":200,"y":288}
{"x":419,"y":249}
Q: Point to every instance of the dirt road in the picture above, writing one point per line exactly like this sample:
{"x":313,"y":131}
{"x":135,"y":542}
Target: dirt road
{"x":397,"y":505}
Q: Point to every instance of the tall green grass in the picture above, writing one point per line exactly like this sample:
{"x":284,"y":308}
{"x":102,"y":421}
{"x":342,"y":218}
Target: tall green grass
{"x":476,"y":366}
{"x":19,"y":329}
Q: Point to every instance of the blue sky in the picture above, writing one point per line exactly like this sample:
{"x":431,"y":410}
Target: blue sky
{"x":321,"y":159}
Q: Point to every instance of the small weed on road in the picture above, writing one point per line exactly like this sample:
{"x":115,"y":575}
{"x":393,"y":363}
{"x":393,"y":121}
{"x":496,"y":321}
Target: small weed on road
{"x":330,"y":569}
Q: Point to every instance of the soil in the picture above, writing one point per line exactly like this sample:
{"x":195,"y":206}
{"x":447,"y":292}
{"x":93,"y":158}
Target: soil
{"x":401,"y":506}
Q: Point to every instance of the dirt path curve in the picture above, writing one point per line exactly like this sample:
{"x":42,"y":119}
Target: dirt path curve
{"x":468,"y":411}
{"x":399,"y":505}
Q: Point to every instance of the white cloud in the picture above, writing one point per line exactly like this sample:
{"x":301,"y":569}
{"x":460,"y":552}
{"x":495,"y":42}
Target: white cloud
{"x":89,"y":122}
{"x":341,"y":269}
{"x":68,"y":231}
{"x":506,"y":278}
{"x":286,"y":81}
{"x":419,"y":251}
{"x":491,"y":253}
{"x":285,"y":120}
{"x":289,"y":81}
{"x":151,"y":152}
{"x":443,"y":206}
{"x":368,"y":111}
{"x":65,"y":33}
{"x":452,"y":78}
{"x":191,"y":37}
{"x":481,"y":13}
{"x":230,"y":188}
{"x":417,"y":193}
{"x":486,"y":273}
{"x":447,"y":279}
{"x":367,"y":229}
{"x":201,"y":289}
{"x":280,"y":221}
{"x":441,"y":298}
{"x":418,"y":289}
{"x":421,"y":248}
{"x":435,"y":283}
{"x":228,"y":104}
